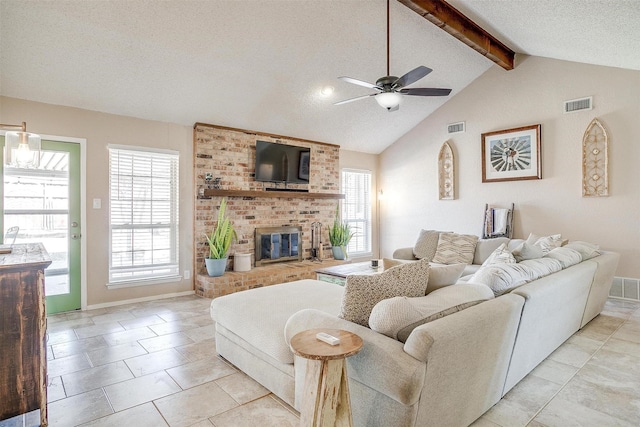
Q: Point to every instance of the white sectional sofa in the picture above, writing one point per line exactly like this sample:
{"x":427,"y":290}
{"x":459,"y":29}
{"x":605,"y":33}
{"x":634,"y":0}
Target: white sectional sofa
{"x":447,"y":373}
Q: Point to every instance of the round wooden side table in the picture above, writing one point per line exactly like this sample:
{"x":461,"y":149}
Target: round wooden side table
{"x":325,"y":400}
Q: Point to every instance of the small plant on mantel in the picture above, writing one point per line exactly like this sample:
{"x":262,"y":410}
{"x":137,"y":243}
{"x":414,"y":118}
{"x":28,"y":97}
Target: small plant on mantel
{"x":340,"y":235}
{"x":219,"y":242}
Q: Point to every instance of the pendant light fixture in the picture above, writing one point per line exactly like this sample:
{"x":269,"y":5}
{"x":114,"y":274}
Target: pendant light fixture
{"x":21,"y":148}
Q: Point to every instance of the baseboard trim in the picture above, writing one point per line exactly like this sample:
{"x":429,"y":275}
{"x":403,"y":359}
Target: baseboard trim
{"x":625,"y":288}
{"x":143,"y":299}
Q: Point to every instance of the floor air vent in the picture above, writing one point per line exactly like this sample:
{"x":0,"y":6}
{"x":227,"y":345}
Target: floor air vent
{"x":455,"y":127}
{"x":578,"y":105}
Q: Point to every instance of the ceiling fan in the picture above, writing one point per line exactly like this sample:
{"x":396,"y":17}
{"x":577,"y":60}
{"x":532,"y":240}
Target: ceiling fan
{"x":391,"y":88}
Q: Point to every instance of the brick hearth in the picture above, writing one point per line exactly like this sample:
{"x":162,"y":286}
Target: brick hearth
{"x":213,"y":287}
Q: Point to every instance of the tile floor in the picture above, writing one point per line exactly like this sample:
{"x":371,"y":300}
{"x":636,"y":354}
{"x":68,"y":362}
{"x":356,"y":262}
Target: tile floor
{"x":155,"y":364}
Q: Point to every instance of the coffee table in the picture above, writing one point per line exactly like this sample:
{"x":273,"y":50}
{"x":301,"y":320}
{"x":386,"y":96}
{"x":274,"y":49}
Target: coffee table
{"x":339,"y":273}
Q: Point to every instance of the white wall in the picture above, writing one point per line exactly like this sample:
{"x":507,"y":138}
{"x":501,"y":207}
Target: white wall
{"x":531,"y":93}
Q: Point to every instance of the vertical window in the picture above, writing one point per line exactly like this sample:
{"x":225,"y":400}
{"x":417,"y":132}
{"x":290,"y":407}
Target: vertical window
{"x":356,"y":209}
{"x":143,"y":214}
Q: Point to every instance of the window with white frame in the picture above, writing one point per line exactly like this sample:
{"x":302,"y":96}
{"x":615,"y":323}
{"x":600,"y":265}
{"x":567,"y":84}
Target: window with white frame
{"x":356,"y":209}
{"x":143,"y":215}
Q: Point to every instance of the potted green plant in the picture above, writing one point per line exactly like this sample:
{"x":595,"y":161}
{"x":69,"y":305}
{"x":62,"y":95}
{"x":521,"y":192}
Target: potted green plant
{"x":339,"y":236}
{"x":219,"y":243}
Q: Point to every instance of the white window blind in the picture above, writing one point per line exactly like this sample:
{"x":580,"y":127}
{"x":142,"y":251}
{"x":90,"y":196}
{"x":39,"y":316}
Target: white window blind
{"x":356,"y":209}
{"x":143,"y":214}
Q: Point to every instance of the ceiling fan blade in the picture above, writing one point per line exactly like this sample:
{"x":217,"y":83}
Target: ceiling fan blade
{"x":411,"y":77}
{"x":346,"y":101}
{"x":359,"y":82}
{"x":425,"y":91}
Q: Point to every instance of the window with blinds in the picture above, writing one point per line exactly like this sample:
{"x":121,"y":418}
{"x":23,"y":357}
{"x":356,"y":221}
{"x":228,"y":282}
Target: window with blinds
{"x":143,"y":214}
{"x":356,"y":209}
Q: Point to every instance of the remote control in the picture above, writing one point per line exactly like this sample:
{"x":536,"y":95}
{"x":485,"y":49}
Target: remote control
{"x":329,"y":339}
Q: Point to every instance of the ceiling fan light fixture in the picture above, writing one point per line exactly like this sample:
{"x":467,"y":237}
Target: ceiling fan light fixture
{"x":388,"y":100}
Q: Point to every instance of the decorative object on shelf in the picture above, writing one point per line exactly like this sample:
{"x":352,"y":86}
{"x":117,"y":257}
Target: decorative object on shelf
{"x":498,"y":222}
{"x":446,"y":173}
{"x":21,"y":149}
{"x":316,"y":241}
{"x":595,"y":161}
{"x":208,"y":178}
{"x":340,"y":235}
{"x":219,"y":243}
{"x":241,"y":262}
{"x":512,"y":154}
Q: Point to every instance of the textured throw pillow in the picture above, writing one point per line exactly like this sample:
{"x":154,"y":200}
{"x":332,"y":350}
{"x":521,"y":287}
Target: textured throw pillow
{"x":586,"y":249}
{"x":444,"y":275}
{"x":397,"y":317}
{"x":455,"y":248}
{"x":527,"y":251}
{"x":501,"y":255}
{"x":363,"y":292}
{"x":425,"y":247}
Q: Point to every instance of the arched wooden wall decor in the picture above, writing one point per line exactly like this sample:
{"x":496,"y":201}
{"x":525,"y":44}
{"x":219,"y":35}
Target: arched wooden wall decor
{"x":595,"y":161}
{"x":446,"y":173}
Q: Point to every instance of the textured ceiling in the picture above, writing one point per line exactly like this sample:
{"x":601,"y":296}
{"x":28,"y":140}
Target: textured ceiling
{"x":260,"y":65}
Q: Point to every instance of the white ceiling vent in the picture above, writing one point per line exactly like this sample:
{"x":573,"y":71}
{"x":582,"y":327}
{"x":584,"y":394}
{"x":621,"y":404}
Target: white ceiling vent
{"x":578,"y":105}
{"x":456,"y":127}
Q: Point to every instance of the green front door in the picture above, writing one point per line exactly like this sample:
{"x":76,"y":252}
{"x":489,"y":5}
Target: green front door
{"x":45,"y":204}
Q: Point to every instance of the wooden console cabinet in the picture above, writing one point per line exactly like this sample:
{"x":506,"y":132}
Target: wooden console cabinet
{"x":23,"y":355}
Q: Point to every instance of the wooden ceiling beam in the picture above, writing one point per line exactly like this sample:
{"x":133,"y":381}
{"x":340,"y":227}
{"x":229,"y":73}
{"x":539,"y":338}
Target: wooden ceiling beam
{"x":464,"y":29}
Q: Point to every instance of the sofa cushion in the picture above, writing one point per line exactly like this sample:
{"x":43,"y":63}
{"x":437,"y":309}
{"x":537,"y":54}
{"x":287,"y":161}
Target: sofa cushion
{"x":455,"y":248}
{"x":586,"y":249}
{"x":485,"y":247}
{"x":363,"y":292}
{"x":566,"y":256}
{"x":441,"y":275}
{"x":397,"y":317}
{"x":501,"y":255}
{"x":269,"y":309}
{"x":425,"y":247}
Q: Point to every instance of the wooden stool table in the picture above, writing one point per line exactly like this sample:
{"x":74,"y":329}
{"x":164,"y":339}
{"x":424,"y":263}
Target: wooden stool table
{"x":325,"y":400}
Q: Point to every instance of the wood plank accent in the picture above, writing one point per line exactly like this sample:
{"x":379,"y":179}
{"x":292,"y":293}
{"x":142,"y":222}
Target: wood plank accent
{"x":464,"y":29}
{"x":23,"y":356}
{"x":257,"y":133}
{"x":272,"y":194}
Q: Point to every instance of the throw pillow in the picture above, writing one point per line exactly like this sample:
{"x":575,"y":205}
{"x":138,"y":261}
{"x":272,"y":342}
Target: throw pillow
{"x":547,"y":243}
{"x":363,"y":292}
{"x":455,"y":248}
{"x":425,"y":247}
{"x":397,"y":317}
{"x":502,"y":278}
{"x":444,"y":275}
{"x":501,"y":255}
{"x":566,"y":256}
{"x":527,"y":251}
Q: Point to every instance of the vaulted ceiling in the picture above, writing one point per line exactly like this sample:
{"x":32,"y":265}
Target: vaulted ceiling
{"x":260,"y":64}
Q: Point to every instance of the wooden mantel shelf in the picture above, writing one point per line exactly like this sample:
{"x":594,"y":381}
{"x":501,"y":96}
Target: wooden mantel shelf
{"x":273,"y":194}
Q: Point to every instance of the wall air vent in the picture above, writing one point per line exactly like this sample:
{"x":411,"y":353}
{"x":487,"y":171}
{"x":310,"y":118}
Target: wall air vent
{"x":456,"y":127}
{"x":581,"y":104}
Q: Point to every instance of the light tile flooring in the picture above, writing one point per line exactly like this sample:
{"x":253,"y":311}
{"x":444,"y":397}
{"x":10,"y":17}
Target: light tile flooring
{"x":155,"y":364}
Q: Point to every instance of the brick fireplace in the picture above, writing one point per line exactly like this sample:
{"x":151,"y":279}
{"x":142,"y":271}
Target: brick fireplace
{"x":229,"y":154}
{"x":277,"y":244}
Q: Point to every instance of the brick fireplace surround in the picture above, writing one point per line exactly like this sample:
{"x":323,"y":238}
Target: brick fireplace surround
{"x":229,"y":154}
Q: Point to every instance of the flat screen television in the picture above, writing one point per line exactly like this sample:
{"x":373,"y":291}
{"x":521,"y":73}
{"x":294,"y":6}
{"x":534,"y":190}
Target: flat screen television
{"x":282,"y":163}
